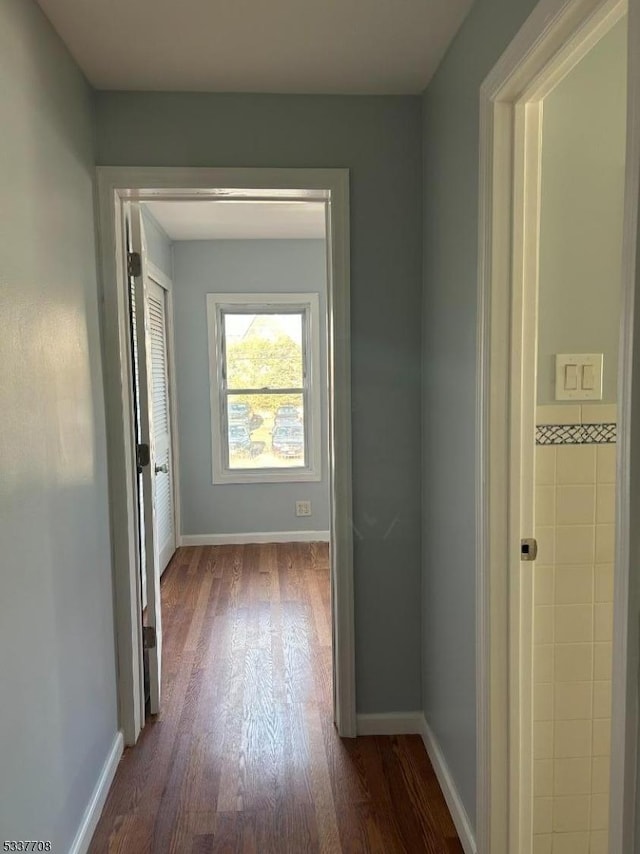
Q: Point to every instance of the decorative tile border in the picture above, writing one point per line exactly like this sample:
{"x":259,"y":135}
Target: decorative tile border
{"x":576,"y":434}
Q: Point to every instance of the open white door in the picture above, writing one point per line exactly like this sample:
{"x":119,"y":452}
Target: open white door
{"x":146,"y":462}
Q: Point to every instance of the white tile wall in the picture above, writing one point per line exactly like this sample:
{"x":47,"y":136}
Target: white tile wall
{"x":573,"y":624}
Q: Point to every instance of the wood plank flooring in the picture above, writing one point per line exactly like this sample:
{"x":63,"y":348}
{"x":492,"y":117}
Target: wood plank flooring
{"x":244,"y":756}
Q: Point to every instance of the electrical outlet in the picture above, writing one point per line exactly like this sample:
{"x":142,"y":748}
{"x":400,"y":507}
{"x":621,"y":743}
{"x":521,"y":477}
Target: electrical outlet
{"x":303,"y":508}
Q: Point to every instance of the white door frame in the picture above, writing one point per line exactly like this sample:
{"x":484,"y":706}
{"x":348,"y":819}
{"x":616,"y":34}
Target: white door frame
{"x":554,"y":38}
{"x":117,"y":185}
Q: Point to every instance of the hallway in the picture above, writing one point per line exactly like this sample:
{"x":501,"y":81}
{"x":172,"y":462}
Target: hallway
{"x":244,"y":756}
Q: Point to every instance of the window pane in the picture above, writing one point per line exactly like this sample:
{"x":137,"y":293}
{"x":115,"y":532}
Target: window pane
{"x":266,"y":431}
{"x":263,"y":350}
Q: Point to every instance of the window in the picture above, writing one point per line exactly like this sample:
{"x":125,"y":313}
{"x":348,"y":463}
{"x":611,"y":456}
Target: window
{"x":265,"y":387}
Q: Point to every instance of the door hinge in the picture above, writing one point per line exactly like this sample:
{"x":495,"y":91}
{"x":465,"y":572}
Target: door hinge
{"x":143,"y":456}
{"x":134,"y":264}
{"x":528,"y":549}
{"x":149,"y":637}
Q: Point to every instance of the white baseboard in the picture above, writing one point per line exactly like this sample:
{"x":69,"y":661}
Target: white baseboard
{"x":98,"y":798}
{"x":451,"y":796}
{"x":392,"y":723}
{"x":255,"y":537}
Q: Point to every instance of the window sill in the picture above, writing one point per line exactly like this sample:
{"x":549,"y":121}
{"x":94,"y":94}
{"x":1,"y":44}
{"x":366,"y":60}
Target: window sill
{"x":267,"y":476}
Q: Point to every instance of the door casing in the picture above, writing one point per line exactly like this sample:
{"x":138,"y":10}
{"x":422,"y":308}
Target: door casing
{"x":551,"y":42}
{"x":117,"y":185}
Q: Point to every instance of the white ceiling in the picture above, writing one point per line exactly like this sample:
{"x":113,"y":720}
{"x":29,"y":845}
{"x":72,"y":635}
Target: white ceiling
{"x":231,"y":220}
{"x":304,"y":46}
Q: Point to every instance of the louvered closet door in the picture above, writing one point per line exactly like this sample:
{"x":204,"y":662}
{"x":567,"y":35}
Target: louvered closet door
{"x":159,"y":393}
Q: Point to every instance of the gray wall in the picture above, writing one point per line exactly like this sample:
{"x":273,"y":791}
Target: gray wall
{"x":237,"y":266}
{"x":583,"y":154}
{"x":450,"y":216}
{"x":379,"y":140}
{"x":159,"y":247}
{"x":58,"y":713}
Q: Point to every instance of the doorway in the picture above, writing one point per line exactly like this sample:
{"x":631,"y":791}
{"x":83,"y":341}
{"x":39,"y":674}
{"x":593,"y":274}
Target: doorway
{"x":117,"y":187}
{"x":249,"y":299}
{"x":553,"y":661}
{"x":582,"y":162}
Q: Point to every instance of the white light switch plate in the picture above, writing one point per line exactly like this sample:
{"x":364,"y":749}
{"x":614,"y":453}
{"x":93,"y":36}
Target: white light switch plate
{"x":579,"y":376}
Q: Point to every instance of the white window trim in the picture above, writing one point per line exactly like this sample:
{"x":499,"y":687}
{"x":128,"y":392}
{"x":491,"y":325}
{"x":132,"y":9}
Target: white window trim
{"x":220,"y":472}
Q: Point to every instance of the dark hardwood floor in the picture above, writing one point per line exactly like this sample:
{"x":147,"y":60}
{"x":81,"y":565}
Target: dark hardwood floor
{"x":244,"y":756}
